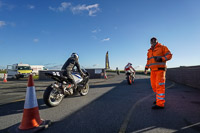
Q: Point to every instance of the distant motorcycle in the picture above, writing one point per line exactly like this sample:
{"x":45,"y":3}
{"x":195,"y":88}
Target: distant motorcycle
{"x":130,"y":74}
{"x":55,"y":93}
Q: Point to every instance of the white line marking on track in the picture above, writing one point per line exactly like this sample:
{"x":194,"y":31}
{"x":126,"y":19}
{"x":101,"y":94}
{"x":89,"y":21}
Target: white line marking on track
{"x":127,"y":118}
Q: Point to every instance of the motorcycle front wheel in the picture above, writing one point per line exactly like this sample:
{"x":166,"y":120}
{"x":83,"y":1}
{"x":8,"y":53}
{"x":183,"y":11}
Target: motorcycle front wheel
{"x":129,"y":79}
{"x":52,"y":97}
{"x":84,"y":91}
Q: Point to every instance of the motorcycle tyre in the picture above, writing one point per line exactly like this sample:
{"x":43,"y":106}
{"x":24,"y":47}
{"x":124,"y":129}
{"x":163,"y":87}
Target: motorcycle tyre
{"x":85,"y":93}
{"x":129,"y":79}
{"x":46,"y":98}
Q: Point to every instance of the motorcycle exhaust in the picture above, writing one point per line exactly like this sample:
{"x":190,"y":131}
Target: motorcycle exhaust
{"x":55,"y":86}
{"x":68,"y":90}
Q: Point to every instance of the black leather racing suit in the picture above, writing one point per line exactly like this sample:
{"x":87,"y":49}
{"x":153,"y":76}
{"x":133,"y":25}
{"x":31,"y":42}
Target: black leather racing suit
{"x":68,"y":67}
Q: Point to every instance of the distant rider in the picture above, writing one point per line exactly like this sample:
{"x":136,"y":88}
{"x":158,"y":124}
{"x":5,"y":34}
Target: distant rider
{"x":68,"y":67}
{"x":117,"y":70}
{"x":129,"y":67}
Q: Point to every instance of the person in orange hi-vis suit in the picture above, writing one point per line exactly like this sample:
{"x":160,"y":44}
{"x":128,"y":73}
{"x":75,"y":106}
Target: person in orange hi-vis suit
{"x":157,"y":56}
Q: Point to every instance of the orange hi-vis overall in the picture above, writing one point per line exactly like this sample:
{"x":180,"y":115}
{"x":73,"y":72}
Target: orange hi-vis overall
{"x":158,"y":71}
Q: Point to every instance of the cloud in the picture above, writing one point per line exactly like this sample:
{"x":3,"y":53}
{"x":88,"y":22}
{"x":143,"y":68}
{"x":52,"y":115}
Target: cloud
{"x":140,"y":67}
{"x":49,"y":64}
{"x":63,"y":6}
{"x":106,"y":39}
{"x":96,"y":30}
{"x":31,"y":7}
{"x":96,"y":65}
{"x":56,"y":67}
{"x":92,"y":9}
{"x":35,"y":40}
{"x":2,"y":24}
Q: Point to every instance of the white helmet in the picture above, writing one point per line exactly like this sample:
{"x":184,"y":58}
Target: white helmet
{"x":75,"y":55}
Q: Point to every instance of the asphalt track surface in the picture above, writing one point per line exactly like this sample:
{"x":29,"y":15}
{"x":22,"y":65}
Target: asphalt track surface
{"x":113,"y":106}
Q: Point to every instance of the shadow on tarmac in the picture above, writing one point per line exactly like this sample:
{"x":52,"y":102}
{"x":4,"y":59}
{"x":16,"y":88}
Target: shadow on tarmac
{"x":107,"y":113}
{"x":17,"y":107}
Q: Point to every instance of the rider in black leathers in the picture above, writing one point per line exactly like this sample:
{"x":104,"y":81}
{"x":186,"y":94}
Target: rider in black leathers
{"x":68,"y":67}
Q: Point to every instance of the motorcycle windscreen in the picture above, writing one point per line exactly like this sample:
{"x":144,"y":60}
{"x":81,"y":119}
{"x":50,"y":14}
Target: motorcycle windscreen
{"x":77,"y":78}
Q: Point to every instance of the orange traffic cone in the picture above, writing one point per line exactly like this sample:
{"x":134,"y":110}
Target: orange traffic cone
{"x":105,"y":75}
{"x":5,"y":78}
{"x":31,"y":121}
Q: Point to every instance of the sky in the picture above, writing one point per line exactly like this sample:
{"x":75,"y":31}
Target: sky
{"x":46,"y":32}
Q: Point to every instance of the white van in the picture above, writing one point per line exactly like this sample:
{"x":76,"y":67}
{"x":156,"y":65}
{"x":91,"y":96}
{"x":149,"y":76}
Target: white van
{"x":18,"y":70}
{"x":37,"y":68}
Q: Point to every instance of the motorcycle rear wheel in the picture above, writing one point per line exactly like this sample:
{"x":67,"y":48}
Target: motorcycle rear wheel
{"x":52,"y":97}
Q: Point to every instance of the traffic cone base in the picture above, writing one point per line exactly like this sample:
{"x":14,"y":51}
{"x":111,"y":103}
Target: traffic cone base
{"x":33,"y":115}
{"x":45,"y":124}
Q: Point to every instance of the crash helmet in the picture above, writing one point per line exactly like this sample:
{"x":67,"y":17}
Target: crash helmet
{"x":75,"y":55}
{"x":129,"y":64}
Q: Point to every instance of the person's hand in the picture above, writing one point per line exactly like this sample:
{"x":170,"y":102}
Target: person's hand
{"x":145,"y":72}
{"x":83,"y":75}
{"x":158,"y":59}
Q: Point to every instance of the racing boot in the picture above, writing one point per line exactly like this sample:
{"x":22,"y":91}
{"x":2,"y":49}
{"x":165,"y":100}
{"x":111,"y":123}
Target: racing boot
{"x":75,"y":89}
{"x":71,"y":91}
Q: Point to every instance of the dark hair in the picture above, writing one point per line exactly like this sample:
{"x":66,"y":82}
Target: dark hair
{"x":154,"y":40}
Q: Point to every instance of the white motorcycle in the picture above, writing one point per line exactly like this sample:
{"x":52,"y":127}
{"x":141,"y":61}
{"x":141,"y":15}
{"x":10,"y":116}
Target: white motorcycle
{"x":55,"y":93}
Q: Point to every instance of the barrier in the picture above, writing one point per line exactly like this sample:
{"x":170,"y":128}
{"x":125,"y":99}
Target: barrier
{"x":185,"y":75}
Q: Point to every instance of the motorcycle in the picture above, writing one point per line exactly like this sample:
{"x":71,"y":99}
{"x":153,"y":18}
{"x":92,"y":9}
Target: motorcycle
{"x":55,"y":92}
{"x":130,"y":75}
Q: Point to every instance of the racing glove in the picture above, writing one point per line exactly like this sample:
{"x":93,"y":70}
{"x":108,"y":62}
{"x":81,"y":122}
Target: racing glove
{"x":158,"y":59}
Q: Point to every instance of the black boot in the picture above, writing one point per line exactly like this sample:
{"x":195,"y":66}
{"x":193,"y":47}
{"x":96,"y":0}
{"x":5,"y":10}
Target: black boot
{"x":157,"y":107}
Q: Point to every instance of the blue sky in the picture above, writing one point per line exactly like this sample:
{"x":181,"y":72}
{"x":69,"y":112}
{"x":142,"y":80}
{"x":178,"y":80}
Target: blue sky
{"x":46,"y":32}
